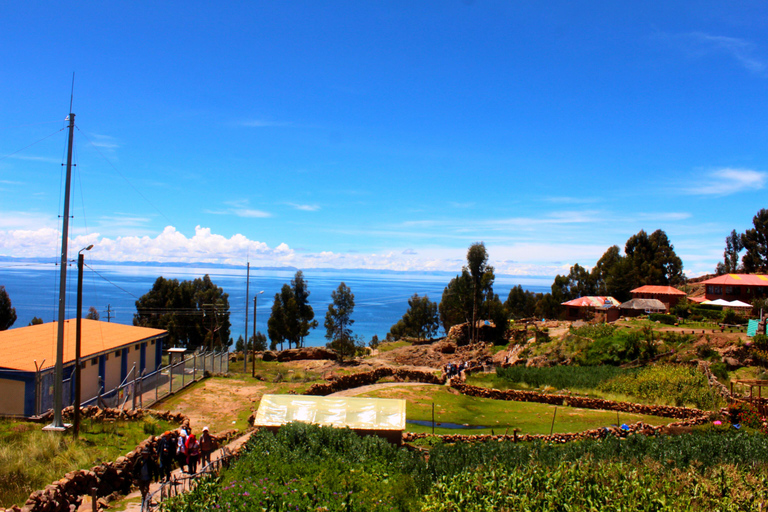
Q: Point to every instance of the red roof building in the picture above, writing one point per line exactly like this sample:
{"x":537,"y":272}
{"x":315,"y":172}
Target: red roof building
{"x":730,"y":287}
{"x":584,"y":307}
{"x":666,"y":294}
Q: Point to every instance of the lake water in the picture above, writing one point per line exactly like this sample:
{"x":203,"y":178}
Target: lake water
{"x":381,"y":298}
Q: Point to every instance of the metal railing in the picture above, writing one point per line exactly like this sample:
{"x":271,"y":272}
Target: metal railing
{"x":181,"y":484}
{"x":138,"y":389}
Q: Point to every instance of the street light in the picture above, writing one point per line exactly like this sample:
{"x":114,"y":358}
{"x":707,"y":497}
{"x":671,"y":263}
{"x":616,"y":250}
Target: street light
{"x":80,"y":263}
{"x":253,"y":347}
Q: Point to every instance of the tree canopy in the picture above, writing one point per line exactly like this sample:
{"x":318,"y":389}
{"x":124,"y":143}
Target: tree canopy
{"x":469,"y":297}
{"x":7,"y":312}
{"x":292,"y":317}
{"x":195,"y":313}
{"x":421,"y":321}
{"x":338,"y":321}
{"x":93,"y":313}
{"x":755,"y":242}
{"x":733,"y":246}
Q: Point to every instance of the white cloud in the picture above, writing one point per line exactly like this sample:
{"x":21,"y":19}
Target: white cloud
{"x":240,"y":208}
{"x":305,"y":207}
{"x":104,"y":141}
{"x":32,"y":158}
{"x":741,"y":50}
{"x":723,"y":182}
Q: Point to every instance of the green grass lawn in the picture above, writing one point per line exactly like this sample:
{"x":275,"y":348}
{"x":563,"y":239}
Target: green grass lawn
{"x":387,"y":346}
{"x":499,"y":416}
{"x":30,"y":459}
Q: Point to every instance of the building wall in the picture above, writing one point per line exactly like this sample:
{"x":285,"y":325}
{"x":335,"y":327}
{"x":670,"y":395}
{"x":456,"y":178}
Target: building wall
{"x":90,"y":377}
{"x":730,"y":293}
{"x":669,"y":300}
{"x":133,"y":358}
{"x":112,"y":370}
{"x":12,"y":397}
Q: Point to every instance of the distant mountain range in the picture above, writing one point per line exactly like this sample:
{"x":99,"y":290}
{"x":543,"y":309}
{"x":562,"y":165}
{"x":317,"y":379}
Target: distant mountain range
{"x":53,"y":261}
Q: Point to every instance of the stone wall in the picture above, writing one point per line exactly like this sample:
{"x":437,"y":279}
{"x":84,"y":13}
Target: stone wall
{"x":66,"y":494}
{"x":576,"y":401}
{"x":367,"y":378}
{"x":599,"y":433}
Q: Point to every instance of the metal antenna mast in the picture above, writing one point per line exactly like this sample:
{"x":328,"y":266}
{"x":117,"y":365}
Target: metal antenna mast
{"x":58,"y":383}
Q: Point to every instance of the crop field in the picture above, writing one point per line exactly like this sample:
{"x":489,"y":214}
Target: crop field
{"x":499,"y":417}
{"x":305,"y":467}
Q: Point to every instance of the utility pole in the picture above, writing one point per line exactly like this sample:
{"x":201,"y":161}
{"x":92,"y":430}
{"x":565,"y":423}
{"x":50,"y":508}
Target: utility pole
{"x":109,"y":312}
{"x":78,"y":384}
{"x":253,"y":347}
{"x":58,"y":379}
{"x":245,"y":343}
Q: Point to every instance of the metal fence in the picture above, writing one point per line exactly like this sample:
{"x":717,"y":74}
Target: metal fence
{"x":138,"y":389}
{"x":182,"y":483}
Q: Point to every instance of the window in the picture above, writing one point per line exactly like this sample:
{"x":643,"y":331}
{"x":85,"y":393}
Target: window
{"x":106,"y":357}
{"x":152,"y":342}
{"x":136,"y":347}
{"x":117,"y":353}
{"x":729,"y":290}
{"x":717,"y":290}
{"x":94,"y":361}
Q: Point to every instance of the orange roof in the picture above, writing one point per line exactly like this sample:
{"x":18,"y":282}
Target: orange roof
{"x":661,"y":290}
{"x":19,"y":348}
{"x":593,"y":302}
{"x":738,"y":279}
{"x":698,"y":299}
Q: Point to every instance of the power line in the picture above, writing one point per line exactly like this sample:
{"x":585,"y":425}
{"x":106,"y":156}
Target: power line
{"x":29,"y":146}
{"x":123,"y":176}
{"x":110,"y":282}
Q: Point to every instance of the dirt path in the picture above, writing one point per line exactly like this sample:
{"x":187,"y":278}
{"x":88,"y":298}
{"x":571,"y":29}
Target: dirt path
{"x":132,"y":502}
{"x":374,"y":387}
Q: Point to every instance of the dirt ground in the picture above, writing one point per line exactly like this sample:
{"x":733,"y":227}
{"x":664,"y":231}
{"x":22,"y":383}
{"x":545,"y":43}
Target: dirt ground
{"x":218,"y":403}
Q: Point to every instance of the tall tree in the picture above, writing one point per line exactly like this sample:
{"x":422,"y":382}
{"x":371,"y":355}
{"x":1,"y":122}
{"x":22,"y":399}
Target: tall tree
{"x":93,"y":313}
{"x":482,"y":282}
{"x":36,"y":321}
{"x":520,"y":303}
{"x":7,"y":312}
{"x":456,"y":303}
{"x":306,"y":315}
{"x":283,"y":324}
{"x":338,"y":321}
{"x":653,"y":258}
{"x":195,"y":313}
{"x":733,"y":245}
{"x":613,"y":275}
{"x":420,"y":321}
{"x":755,"y":241}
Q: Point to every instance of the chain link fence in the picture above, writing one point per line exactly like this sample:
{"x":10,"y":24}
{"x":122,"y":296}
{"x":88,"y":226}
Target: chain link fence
{"x":138,"y":389}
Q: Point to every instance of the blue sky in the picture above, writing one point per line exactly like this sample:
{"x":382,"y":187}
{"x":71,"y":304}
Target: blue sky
{"x":383,"y":134}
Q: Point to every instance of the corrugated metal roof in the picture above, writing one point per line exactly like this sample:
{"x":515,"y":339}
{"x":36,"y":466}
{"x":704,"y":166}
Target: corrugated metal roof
{"x":739,"y":279}
{"x":353,"y":412}
{"x":644,"y":304}
{"x":661,"y":290}
{"x":19,"y":348}
{"x":597,"y":301}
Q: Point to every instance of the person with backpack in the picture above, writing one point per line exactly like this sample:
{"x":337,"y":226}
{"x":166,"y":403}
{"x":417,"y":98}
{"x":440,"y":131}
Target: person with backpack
{"x":193,"y":454}
{"x":181,"y":449}
{"x":166,"y":449}
{"x":206,"y":446}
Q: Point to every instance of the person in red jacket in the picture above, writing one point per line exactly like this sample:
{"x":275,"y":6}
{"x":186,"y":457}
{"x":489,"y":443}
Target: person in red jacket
{"x":193,"y":454}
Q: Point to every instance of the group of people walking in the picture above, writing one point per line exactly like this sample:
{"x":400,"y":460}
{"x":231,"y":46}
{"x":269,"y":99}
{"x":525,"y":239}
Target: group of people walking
{"x":185,"y":450}
{"x":453,"y":369}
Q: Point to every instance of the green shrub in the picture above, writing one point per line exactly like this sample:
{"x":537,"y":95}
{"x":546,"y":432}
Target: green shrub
{"x":662,"y":318}
{"x":680,"y":385}
{"x":709,"y":312}
{"x":720,"y":370}
{"x":733,"y":318}
{"x":561,"y":377}
{"x":760,"y":341}
{"x":595,"y":331}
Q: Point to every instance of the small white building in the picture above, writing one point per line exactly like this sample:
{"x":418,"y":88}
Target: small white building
{"x":108,"y":352}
